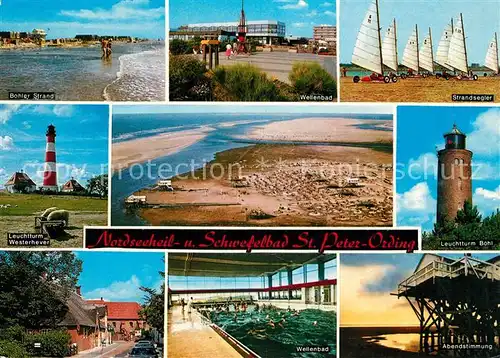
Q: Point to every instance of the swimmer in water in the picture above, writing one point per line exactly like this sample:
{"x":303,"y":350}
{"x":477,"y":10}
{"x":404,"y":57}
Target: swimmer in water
{"x":315,"y":323}
{"x":271,"y":323}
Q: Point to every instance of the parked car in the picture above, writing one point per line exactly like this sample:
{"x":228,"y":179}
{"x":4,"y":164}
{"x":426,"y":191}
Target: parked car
{"x":143,"y":352}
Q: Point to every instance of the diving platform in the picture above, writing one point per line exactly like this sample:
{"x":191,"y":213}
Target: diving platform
{"x":457,"y":303}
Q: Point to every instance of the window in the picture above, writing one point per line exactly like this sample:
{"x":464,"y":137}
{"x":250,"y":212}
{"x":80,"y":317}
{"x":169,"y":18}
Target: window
{"x":457,"y":161}
{"x":131,"y":324}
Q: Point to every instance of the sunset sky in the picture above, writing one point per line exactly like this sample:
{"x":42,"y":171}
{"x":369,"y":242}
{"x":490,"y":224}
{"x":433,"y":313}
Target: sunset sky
{"x":366,"y":282}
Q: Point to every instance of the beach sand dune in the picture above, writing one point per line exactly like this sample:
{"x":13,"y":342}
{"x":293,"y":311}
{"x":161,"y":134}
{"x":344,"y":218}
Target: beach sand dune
{"x":338,"y":130}
{"x":416,"y":90}
{"x":125,"y":154}
{"x":276,"y":185}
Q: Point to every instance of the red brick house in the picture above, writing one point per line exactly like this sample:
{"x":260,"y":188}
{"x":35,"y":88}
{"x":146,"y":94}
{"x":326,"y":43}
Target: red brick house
{"x":124,"y":318}
{"x":86,"y":322}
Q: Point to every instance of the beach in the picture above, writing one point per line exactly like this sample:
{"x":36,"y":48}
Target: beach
{"x":135,"y":72}
{"x":428,"y":89}
{"x":286,"y":177}
{"x":128,"y":153}
{"x":318,"y":130}
{"x":366,"y":342}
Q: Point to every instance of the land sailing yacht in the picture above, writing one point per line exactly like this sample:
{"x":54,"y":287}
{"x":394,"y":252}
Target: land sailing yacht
{"x":411,"y":56}
{"x":442,"y":52}
{"x":368,"y":49}
{"x":390,"y":50}
{"x":457,"y":55}
{"x":491,"y":60}
{"x":426,"y":56}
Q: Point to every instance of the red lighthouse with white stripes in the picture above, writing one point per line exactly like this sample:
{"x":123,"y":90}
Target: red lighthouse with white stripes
{"x":50,"y":169}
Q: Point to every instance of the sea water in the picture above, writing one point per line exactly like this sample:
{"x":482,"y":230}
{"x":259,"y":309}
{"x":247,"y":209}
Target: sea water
{"x":79,"y":73}
{"x":133,"y":126}
{"x":252,"y":329}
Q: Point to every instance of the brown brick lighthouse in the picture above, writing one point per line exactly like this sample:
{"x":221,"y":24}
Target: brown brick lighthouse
{"x":454,"y":175}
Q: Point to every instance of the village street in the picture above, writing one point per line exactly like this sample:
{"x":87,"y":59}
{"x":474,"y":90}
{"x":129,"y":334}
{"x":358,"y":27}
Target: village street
{"x":117,"y":349}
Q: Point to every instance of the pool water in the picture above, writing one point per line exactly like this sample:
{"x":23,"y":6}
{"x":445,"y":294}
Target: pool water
{"x":252,"y":329}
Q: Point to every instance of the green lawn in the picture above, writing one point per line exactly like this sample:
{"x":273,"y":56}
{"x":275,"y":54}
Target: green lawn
{"x":29,"y":204}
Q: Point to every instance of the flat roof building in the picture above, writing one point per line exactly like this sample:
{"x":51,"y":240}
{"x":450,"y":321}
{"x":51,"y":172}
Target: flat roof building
{"x":264,"y":31}
{"x":326,"y":33}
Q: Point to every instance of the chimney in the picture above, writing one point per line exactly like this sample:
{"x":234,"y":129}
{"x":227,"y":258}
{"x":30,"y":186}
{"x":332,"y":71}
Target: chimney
{"x":102,"y":299}
{"x":79,"y":290}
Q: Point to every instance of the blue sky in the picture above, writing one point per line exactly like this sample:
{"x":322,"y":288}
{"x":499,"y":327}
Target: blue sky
{"x":419,"y":132}
{"x":299,"y":16}
{"x":481,"y":20}
{"x":81,"y":141}
{"x":117,"y":276}
{"x":67,"y":18}
{"x":242,"y":108}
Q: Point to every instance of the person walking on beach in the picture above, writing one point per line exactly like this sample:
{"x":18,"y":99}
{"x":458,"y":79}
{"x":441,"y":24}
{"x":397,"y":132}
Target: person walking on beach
{"x":109,"y":48}
{"x":190,"y":303}
{"x":104,"y":48}
{"x":344,"y":71}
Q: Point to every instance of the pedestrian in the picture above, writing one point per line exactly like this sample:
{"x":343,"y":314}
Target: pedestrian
{"x":229,"y":51}
{"x":190,"y":303}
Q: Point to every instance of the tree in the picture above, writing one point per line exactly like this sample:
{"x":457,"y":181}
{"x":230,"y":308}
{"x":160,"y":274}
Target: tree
{"x":469,"y":214}
{"x":98,"y":185}
{"x":179,"y":47}
{"x":153,"y":310}
{"x":34,"y":287}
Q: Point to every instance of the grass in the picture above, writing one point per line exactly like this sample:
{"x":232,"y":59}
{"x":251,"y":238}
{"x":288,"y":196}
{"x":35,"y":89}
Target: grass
{"x":29,"y":204}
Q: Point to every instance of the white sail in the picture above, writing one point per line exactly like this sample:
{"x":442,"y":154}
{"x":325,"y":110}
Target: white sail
{"x":492,"y":55}
{"x":389,"y":48}
{"x":457,"y":56}
{"x":444,"y":47}
{"x":410,"y":54}
{"x":425,"y":55}
{"x":367,"y":52}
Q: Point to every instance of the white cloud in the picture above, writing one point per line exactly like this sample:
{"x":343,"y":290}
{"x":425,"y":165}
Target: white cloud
{"x":487,"y":201}
{"x":26,"y":125}
{"x":299,"y":5}
{"x":284,"y":1}
{"x":416,"y":206}
{"x":424,"y":166}
{"x":312,"y":13}
{"x":123,"y":10}
{"x":6,"y":112}
{"x":118,"y":290}
{"x":418,"y":198}
{"x":485,"y":137}
{"x":299,"y":25}
{"x":6,"y":143}
{"x":327,"y":4}
{"x":329,"y":13}
{"x":485,"y":171}
{"x":62,"y":110}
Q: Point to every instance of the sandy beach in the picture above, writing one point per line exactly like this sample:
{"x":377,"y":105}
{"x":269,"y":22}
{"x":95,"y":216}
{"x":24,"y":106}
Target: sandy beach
{"x":125,"y":154}
{"x":339,"y":130}
{"x":280,"y":185}
{"x":416,"y":90}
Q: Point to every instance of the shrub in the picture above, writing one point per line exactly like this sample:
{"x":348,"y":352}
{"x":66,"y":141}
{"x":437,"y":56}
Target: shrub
{"x":244,"y":82}
{"x":53,"y":344}
{"x":12,"y":349}
{"x":309,"y":78}
{"x":12,"y":333}
{"x":187,"y":79}
{"x":179,"y":47}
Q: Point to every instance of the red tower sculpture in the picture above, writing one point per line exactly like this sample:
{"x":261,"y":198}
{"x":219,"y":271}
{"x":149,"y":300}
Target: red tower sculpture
{"x":242,"y":32}
{"x":454,"y":175}
{"x":50,"y":169}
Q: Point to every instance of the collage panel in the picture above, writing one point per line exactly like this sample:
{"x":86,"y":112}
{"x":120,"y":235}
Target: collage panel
{"x":53,"y":173}
{"x":256,"y":51}
{"x":447,"y":178}
{"x":83,"y":50}
{"x":419,"y":305}
{"x":397,"y":52}
{"x":252,"y":166}
{"x":252,"y":305}
{"x":58,"y":304}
